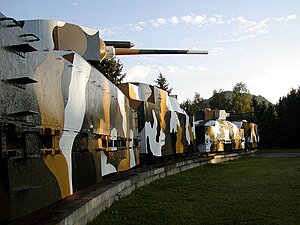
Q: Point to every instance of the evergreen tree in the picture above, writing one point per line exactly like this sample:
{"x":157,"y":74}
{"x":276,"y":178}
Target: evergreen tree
{"x":112,"y":70}
{"x":288,"y":110}
{"x":161,"y":82}
{"x":268,"y":123}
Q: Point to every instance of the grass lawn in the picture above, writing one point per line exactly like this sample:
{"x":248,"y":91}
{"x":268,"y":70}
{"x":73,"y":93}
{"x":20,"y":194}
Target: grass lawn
{"x":279,"y":150}
{"x":245,"y":191}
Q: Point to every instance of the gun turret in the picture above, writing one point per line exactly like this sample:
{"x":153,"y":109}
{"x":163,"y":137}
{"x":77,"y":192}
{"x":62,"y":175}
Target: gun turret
{"x":109,"y":49}
{"x":215,"y":114}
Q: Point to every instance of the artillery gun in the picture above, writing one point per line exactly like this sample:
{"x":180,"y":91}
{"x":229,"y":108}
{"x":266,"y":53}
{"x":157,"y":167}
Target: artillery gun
{"x":109,"y":49}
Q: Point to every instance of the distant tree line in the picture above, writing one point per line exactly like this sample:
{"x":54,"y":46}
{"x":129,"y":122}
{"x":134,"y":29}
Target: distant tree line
{"x":239,"y":104}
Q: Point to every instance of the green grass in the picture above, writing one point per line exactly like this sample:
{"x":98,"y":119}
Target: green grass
{"x":279,"y":150}
{"x":245,"y":191}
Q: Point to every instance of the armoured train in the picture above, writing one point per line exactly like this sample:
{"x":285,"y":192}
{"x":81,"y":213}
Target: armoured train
{"x":63,"y":125}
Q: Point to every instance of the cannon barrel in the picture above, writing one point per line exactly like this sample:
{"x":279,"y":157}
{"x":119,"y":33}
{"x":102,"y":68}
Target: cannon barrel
{"x":119,"y":44}
{"x":125,"y":51}
{"x":109,"y":49}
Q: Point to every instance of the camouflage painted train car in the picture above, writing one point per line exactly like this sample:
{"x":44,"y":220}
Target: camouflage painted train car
{"x":63,"y":125}
{"x":250,"y":133}
{"x":164,"y":128}
{"x":215,"y":133}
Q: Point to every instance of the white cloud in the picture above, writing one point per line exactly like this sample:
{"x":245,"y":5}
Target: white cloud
{"x":285,"y":19}
{"x":135,"y":27}
{"x":194,"y":19}
{"x":238,"y":24}
{"x":217,"y":51}
{"x":187,"y":18}
{"x":174,"y":20}
{"x":241,"y":20}
{"x":262,"y":26}
{"x":182,"y":69}
{"x":199,"y":20}
{"x":139,"y":26}
{"x":291,"y":17}
{"x":139,"y":72}
{"x":203,"y":20}
{"x":279,"y":19}
{"x":141,"y":23}
{"x":214,"y":20}
{"x":242,"y":38}
{"x":248,"y":26}
{"x":110,"y":31}
{"x":158,"y":22}
{"x":247,"y":37}
{"x":142,"y":73}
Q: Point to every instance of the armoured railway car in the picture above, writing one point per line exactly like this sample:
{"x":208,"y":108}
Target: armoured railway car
{"x":215,"y":133}
{"x":63,"y":125}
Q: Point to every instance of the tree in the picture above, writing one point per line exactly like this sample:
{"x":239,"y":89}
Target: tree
{"x":241,"y":102}
{"x":220,"y":101}
{"x":193,"y":108}
{"x":161,"y":82}
{"x":197,"y":105}
{"x":266,"y":117}
{"x":187,"y":106}
{"x":112,"y":70}
{"x":288,"y":109}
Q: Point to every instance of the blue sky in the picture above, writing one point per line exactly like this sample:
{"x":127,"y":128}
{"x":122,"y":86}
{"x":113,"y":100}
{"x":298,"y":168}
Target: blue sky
{"x":256,"y":42}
